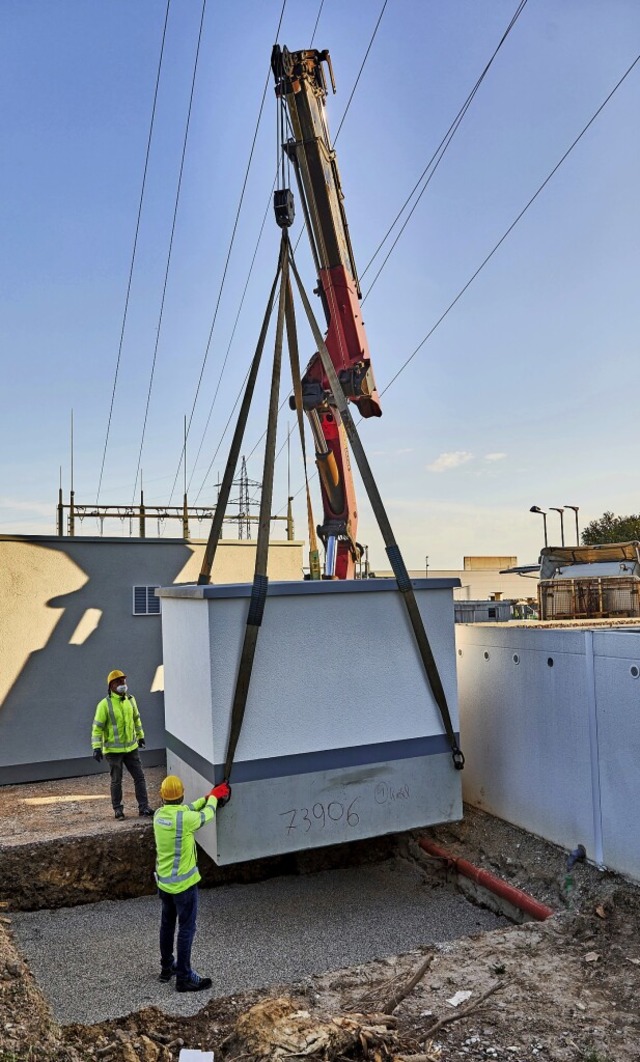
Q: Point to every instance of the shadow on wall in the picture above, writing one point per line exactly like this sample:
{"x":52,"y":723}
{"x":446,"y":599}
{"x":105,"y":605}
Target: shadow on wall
{"x":66,"y":620}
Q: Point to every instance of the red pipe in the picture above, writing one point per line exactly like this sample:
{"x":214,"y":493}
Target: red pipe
{"x":489,"y":881}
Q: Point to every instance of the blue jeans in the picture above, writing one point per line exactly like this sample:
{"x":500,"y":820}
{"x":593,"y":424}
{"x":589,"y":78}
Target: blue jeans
{"x":183,"y":908}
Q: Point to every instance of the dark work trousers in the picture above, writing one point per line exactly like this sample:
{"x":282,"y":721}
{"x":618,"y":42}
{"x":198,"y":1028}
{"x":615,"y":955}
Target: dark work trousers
{"x":130,"y":760}
{"x":183,"y":908}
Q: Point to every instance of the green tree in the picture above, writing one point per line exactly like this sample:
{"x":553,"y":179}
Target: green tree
{"x":610,"y":528}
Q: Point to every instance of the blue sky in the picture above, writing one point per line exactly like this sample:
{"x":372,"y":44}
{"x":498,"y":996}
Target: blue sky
{"x":523,"y":395}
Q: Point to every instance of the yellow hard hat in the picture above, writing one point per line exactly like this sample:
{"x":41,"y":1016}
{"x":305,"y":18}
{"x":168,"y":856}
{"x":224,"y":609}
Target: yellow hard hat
{"x":171,"y":788}
{"x":114,"y":675}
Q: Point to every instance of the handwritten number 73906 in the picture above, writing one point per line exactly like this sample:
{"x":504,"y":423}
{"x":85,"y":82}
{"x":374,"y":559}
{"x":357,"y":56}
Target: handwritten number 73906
{"x":320,"y":815}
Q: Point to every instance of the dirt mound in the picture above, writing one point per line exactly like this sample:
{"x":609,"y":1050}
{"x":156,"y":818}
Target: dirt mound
{"x":279,"y":1029}
{"x":26,"y":1022}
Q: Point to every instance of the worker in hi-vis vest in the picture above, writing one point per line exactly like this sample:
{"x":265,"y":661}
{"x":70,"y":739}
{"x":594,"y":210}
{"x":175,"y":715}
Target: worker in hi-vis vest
{"x":177,"y":876}
{"x":117,"y":734}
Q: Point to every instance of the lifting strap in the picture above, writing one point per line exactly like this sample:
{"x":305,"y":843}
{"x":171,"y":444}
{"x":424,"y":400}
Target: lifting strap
{"x":294,"y":359}
{"x":260,"y":579}
{"x":232,"y":461}
{"x":393,"y":551}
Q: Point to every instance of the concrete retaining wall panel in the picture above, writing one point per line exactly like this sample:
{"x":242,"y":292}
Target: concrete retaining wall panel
{"x":524,"y":732}
{"x":553,"y":749}
{"x":618,"y":722}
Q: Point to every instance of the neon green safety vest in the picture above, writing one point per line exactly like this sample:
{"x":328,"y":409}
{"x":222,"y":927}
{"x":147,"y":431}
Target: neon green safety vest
{"x":116,"y":725}
{"x":174,"y":826}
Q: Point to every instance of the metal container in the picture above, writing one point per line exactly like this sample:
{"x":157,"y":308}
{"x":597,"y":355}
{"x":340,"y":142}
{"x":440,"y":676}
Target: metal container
{"x":594,"y":598}
{"x":590,"y":582}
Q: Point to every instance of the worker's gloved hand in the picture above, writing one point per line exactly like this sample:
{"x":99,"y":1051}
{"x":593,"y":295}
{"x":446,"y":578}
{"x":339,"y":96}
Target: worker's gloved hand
{"x":97,"y":755}
{"x":141,"y":744}
{"x":222,"y":793}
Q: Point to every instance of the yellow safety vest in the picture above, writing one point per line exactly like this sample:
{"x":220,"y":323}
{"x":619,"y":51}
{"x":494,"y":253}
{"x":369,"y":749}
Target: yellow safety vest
{"x":174,"y":826}
{"x":116,"y":725}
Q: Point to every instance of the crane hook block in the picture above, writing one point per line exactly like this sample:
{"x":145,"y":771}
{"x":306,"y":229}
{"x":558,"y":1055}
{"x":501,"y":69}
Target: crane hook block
{"x":284,"y":207}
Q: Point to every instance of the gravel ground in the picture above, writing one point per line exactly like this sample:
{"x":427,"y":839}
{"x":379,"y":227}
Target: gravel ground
{"x":249,"y":936}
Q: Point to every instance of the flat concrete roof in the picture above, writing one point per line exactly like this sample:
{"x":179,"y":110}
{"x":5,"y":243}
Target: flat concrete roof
{"x":149,"y":540}
{"x":306,"y":587}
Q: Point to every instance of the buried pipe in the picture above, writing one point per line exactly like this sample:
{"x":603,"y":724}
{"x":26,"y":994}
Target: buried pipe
{"x":489,"y":881}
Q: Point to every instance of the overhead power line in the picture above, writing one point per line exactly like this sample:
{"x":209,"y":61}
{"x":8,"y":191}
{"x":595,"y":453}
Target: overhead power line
{"x":133,"y":253}
{"x":170,"y":250}
{"x":440,"y":150}
{"x":435,"y":160}
{"x":366,"y":56}
{"x":507,"y":232}
{"x":233,"y":332}
{"x":350,"y":100}
{"x":313,"y":35}
{"x":513,"y":224}
{"x":226,"y":265}
{"x":269,"y":204}
{"x":362,"y":65}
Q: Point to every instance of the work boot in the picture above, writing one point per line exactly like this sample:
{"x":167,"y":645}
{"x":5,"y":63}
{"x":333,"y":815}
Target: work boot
{"x":193,"y":983}
{"x":119,"y":813}
{"x":145,"y":811}
{"x":166,"y":973}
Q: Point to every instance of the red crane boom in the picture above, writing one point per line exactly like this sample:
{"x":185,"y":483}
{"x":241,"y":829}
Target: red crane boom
{"x":300,"y":83}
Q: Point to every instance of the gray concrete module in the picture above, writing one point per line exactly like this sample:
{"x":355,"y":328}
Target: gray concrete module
{"x":101,"y":960}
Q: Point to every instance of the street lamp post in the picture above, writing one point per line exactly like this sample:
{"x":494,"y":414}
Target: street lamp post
{"x":561,"y":511}
{"x":426,"y":567}
{"x":575,"y":513}
{"x":537,"y":509}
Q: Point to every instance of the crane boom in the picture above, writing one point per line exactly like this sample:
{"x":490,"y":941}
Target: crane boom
{"x":300,"y":83}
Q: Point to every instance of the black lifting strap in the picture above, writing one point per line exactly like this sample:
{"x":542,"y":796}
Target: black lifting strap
{"x":294,"y":360}
{"x":260,"y":580}
{"x":393,"y":551}
{"x":232,"y":461}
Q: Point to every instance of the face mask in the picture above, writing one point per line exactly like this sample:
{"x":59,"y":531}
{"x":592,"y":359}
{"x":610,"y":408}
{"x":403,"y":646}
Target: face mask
{"x":122,"y":689}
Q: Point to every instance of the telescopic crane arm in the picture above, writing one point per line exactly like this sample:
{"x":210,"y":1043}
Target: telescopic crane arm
{"x":300,"y":82}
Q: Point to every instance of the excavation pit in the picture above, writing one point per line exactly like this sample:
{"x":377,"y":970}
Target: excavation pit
{"x":80,"y":889}
{"x":559,"y":989}
{"x":100,"y":961}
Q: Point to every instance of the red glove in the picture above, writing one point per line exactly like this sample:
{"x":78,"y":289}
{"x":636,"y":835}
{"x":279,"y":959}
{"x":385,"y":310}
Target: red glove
{"x":222,"y":793}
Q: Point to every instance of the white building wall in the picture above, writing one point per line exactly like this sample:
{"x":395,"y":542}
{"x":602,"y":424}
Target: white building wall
{"x":66,"y":621}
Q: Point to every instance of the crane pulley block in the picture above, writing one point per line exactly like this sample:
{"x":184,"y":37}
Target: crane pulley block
{"x":284,"y":207}
{"x":313,"y":396}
